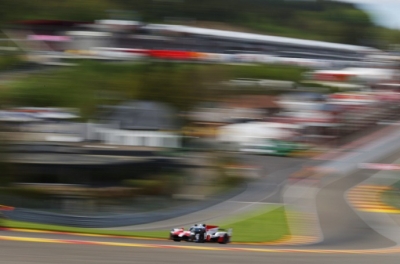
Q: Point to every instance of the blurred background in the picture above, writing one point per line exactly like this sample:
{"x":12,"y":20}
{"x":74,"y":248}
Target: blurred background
{"x":113,"y":107}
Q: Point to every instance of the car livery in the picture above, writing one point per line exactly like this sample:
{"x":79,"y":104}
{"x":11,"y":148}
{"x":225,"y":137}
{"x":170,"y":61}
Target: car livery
{"x":201,"y":233}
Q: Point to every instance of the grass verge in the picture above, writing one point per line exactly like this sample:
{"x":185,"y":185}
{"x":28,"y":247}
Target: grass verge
{"x":264,"y":227}
{"x":392,"y":196}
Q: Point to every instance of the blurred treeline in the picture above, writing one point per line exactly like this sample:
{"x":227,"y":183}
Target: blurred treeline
{"x":320,"y":19}
{"x":92,"y":83}
{"x":9,"y":61}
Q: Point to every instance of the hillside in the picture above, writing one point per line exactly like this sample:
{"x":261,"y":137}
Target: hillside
{"x":319,"y":20}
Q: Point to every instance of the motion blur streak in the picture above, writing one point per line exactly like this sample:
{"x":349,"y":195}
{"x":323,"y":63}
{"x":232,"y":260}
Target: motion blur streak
{"x":203,"y":248}
{"x":263,"y":128}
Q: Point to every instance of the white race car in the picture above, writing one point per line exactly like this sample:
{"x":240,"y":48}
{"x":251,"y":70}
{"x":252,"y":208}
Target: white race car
{"x":201,"y":233}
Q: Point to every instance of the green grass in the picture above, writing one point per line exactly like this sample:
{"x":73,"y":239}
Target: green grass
{"x":392,"y":197}
{"x":95,"y":83}
{"x":9,"y":61}
{"x":261,"y":227}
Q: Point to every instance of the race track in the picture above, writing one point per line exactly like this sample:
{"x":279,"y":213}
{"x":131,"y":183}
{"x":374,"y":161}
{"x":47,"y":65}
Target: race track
{"x":26,"y":252}
{"x":274,"y":171}
{"x":347,"y":238}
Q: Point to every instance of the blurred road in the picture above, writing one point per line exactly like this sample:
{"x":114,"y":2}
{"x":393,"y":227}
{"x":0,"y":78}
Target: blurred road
{"x":347,"y":238}
{"x":340,"y":224}
{"x":273,"y":175}
{"x":343,"y":230}
{"x":26,"y":252}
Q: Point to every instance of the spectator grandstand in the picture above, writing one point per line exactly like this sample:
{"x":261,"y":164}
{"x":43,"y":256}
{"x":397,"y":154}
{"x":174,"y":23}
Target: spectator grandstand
{"x":59,"y":36}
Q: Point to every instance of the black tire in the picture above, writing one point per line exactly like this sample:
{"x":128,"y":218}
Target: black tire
{"x":201,"y":237}
{"x":177,"y":240}
{"x":225,"y":240}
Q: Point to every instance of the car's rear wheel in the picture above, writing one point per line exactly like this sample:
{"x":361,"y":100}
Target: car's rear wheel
{"x":177,"y":240}
{"x":225,"y":240}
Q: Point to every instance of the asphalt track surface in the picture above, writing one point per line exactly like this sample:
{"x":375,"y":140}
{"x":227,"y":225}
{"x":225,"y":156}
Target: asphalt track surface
{"x":274,"y":171}
{"x":342,"y":228}
{"x":21,"y":253}
{"x":347,"y":238}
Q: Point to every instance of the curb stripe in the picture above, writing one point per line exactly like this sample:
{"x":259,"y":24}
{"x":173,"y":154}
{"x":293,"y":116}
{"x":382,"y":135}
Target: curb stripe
{"x":203,"y":248}
{"x":287,"y":240}
{"x":367,"y":198}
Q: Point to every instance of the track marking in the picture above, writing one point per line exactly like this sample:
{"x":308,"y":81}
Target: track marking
{"x":368,"y":198}
{"x":203,"y":248}
{"x":287,"y":240}
{"x":79,"y":234}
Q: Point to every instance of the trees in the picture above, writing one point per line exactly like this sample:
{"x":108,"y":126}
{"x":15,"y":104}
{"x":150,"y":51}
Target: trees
{"x":180,"y":85}
{"x":321,"y":20}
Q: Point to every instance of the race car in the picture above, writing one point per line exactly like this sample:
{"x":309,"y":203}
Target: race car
{"x":201,"y":233}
